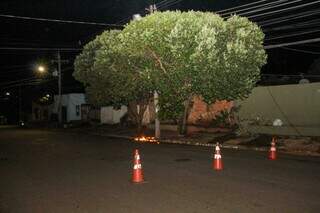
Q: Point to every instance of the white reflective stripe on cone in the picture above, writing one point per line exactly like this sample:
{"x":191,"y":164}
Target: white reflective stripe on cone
{"x":217,"y":156}
{"x":137,"y":166}
{"x":137,"y":157}
{"x":273,"y":149}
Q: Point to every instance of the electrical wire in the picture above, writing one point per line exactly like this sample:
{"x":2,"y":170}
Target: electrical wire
{"x":282,"y":112}
{"x":38,"y":43}
{"x":240,"y":6}
{"x":42,"y":49}
{"x":295,"y":26}
{"x":169,"y":4}
{"x":32,"y":80}
{"x":59,"y":20}
{"x":163,"y":2}
{"x":292,"y":35}
{"x":284,"y":75}
{"x":272,"y":46}
{"x":35,"y":82}
{"x":262,"y":6}
{"x":289,"y":18}
{"x":302,"y":51}
{"x":268,"y":8}
{"x":283,"y":10}
{"x":127,"y":19}
{"x":16,"y":81}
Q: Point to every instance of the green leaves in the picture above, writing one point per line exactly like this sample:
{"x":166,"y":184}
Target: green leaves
{"x":179,"y":54}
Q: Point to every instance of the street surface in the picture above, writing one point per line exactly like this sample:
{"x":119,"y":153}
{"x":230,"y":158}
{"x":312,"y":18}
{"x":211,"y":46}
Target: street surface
{"x":52,"y":172}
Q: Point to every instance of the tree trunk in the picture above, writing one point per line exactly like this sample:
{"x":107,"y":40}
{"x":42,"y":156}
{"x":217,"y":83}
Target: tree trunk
{"x":183,"y":122}
{"x":136,"y":112}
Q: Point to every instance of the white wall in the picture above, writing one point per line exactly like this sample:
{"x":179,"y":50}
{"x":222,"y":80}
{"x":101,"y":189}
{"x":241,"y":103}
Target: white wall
{"x":112,"y":116}
{"x":70,"y":101}
{"x":298,"y":106}
{"x":74,"y":100}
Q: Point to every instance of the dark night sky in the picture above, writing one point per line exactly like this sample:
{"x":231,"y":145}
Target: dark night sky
{"x":16,"y":65}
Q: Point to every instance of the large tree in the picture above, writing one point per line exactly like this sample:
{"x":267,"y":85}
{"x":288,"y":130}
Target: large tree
{"x":180,"y":54}
{"x":196,"y":53}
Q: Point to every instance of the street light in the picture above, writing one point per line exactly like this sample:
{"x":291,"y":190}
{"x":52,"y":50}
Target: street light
{"x":137,"y":17}
{"x":41,"y":69}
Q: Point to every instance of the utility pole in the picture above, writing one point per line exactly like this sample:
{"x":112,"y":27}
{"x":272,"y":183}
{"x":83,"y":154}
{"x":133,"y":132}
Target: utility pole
{"x":59,"y":62}
{"x":152,"y":8}
{"x":20,"y":105}
{"x":59,"y":87}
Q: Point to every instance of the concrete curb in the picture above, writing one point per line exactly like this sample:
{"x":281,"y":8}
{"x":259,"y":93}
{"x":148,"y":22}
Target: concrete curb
{"x":234,"y":147}
{"x":167,"y":141}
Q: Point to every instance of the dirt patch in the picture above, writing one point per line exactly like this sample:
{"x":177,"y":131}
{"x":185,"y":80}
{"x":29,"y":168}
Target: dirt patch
{"x":305,"y":144}
{"x":257,"y":141}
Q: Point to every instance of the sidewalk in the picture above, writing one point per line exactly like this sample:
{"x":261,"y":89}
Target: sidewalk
{"x":285,"y":144}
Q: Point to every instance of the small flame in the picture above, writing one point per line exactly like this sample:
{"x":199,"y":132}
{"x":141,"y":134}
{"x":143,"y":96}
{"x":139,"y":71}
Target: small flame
{"x":146,"y":139}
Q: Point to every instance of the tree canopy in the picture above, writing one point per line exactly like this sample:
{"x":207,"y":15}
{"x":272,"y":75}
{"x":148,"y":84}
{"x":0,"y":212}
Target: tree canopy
{"x":179,"y":54}
{"x":196,"y":53}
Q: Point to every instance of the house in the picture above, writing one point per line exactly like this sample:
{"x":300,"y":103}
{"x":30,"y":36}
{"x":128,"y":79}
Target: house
{"x":70,"y":106}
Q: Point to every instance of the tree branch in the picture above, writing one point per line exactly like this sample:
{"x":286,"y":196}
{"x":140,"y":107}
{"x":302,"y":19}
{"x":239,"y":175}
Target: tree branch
{"x":154,"y":55}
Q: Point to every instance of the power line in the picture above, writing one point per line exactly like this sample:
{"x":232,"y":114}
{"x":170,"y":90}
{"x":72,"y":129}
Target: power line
{"x":292,"y":35}
{"x":17,"y":71}
{"x":129,"y":17}
{"x":283,"y":10}
{"x":272,"y":46}
{"x":59,"y":20}
{"x":169,"y":4}
{"x":287,"y":75}
{"x":282,"y":112}
{"x":16,"y":81}
{"x":36,"y":43}
{"x":124,"y":20}
{"x":294,"y":26}
{"x":288,"y":18}
{"x":244,"y":5}
{"x":41,"y":49}
{"x":262,"y":6}
{"x":302,"y":51}
{"x":268,"y":8}
{"x":163,"y":2}
{"x":33,"y":82}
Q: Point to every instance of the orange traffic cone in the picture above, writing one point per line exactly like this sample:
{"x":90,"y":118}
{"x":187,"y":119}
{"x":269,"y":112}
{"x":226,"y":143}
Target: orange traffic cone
{"x":217,"y":161}
{"x":272,"y":152}
{"x":137,"y":175}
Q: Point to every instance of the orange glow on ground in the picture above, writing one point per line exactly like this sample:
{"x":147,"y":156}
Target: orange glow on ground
{"x":146,"y":139}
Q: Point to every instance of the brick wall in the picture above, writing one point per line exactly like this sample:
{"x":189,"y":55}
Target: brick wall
{"x":203,"y":114}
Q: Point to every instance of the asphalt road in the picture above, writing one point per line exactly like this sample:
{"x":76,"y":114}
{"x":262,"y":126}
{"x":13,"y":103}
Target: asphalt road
{"x":44,"y":172}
